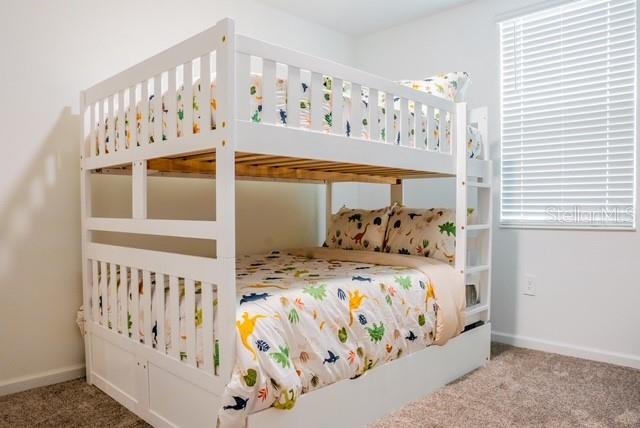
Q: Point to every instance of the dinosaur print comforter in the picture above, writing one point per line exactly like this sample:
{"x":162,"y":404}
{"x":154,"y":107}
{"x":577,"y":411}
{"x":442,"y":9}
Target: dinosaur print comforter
{"x":309,"y":318}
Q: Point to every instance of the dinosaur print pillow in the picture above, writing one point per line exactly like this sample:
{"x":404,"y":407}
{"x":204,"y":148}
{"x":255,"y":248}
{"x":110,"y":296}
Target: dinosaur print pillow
{"x":355,"y":229}
{"x":422,"y":232}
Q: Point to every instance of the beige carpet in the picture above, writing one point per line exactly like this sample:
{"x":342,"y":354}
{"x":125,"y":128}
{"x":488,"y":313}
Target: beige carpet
{"x":518,"y":388}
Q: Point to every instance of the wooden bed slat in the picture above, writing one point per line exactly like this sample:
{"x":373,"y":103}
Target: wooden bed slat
{"x":144,"y":112}
{"x":174,"y":316}
{"x":190,"y":320}
{"x":95,"y":292}
{"x":134,"y":289}
{"x":187,"y":98}
{"x":146,"y":307}
{"x":111,"y":130}
{"x":101,"y":128}
{"x":157,"y":108}
{"x":293,"y":97}
{"x":170,"y":104}
{"x":316,"y":101}
{"x":356,"y":110}
{"x":243,"y":170}
{"x":205,"y":93}
{"x":92,"y":146}
{"x":374,"y":115}
{"x":158,"y":303}
{"x":431,"y":124}
{"x":112,"y":290}
{"x":133,"y":125}
{"x":207,"y":326}
{"x":442,"y":129}
{"x":404,"y":122}
{"x":119,"y":143}
{"x":389,"y":112}
{"x":418,"y":130}
{"x":122,"y":298}
{"x":103,"y":294}
{"x":268,"y":113}
{"x":337,"y":105}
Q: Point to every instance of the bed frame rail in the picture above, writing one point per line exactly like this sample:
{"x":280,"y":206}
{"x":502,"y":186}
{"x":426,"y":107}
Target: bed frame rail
{"x":123,"y":115}
{"x":326,"y":81}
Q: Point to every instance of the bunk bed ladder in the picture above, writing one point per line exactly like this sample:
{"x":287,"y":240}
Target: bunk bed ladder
{"x":477,"y":232}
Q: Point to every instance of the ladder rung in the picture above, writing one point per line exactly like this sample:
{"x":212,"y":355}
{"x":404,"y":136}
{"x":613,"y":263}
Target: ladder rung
{"x":480,"y":185}
{"x":476,"y":269}
{"x":478,"y":227}
{"x":477,"y":308}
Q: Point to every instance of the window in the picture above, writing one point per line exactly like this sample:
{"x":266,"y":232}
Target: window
{"x":568,"y":83}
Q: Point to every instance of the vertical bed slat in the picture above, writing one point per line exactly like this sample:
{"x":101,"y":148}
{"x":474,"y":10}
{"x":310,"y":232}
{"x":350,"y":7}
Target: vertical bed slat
{"x":101,"y":128}
{"x":268,"y":91}
{"x":404,"y":122}
{"x":111,"y":134}
{"x":356,"y":110}
{"x":187,"y":94}
{"x":207,"y":327}
{"x":119,"y":144}
{"x":389,"y":112}
{"x":122,"y":298}
{"x":444,"y":147}
{"x":243,"y":67}
{"x":315,"y":102}
{"x":174,"y":316}
{"x":157,"y":108}
{"x":205,"y":93}
{"x":103,"y":293}
{"x":431,"y":126}
{"x":158,"y":304}
{"x":95,"y":292}
{"x":113,"y":296}
{"x":134,"y":289}
{"x":374,"y":115}
{"x":92,"y":131}
{"x":293,"y":97}
{"x":146,"y":307}
{"x":418,"y":133}
{"x":133,"y":123}
{"x":144,"y":112}
{"x":171,"y":103}
{"x":337,"y":104}
{"x":190,"y":320}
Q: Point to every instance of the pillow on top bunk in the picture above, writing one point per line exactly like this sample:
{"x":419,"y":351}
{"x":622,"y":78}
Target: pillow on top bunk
{"x":450,"y":86}
{"x":422,"y":232}
{"x":355,"y":229}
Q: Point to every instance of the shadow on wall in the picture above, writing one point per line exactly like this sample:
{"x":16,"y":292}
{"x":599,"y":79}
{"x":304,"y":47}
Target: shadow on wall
{"x":40,"y":254}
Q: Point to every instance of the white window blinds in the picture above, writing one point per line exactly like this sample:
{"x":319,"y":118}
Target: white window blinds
{"x":568,"y":116}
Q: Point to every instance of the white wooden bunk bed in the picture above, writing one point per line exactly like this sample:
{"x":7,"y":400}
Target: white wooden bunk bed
{"x":153,"y":381}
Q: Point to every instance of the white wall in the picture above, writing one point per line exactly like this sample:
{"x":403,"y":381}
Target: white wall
{"x":50,"y":51}
{"x":588,"y":287}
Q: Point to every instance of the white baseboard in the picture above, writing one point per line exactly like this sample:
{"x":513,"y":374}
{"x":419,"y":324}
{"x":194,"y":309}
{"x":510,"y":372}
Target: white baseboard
{"x":567,"y":349}
{"x":49,"y":377}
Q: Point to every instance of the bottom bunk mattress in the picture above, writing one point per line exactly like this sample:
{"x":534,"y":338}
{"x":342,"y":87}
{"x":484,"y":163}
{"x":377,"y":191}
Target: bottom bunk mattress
{"x":313,"y":317}
{"x":309,"y":318}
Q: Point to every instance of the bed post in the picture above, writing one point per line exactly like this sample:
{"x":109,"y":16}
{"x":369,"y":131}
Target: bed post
{"x":328,"y":206}
{"x":459,"y":148}
{"x":226,"y":200}
{"x":397,"y":195}
{"x":85,"y":211}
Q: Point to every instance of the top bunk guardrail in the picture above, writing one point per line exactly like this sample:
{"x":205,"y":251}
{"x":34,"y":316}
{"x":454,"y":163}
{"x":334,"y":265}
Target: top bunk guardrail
{"x":144,"y":112}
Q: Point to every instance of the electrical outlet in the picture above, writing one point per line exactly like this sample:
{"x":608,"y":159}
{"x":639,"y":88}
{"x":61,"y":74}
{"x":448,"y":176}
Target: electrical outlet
{"x":530,"y":285}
